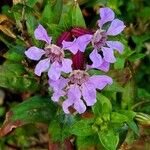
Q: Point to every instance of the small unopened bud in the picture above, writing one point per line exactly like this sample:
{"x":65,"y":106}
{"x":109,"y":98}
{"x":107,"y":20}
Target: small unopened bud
{"x":103,"y":126}
{"x":95,"y":128}
{"x":99,"y":121}
{"x":106,"y":117}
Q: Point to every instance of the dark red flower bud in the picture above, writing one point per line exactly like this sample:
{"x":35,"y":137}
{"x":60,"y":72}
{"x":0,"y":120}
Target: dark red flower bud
{"x":80,"y":31}
{"x":64,"y":36}
{"x":78,"y":61}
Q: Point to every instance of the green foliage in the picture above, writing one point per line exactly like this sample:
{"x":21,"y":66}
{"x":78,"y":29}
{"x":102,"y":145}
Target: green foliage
{"x":14,"y":76}
{"x":35,"y":109}
{"x":120,"y":107}
{"x":82,"y":128}
{"x":109,"y":139}
{"x":128,"y":95}
{"x":52,"y":12}
{"x":102,"y":105}
{"x":76,"y":16}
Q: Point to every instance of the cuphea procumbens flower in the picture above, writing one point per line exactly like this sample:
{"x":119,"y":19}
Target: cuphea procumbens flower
{"x":77,"y":86}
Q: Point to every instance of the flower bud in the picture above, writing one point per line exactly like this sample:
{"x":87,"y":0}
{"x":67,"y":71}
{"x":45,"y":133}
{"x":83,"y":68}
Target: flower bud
{"x":64,"y":36}
{"x":80,"y":31}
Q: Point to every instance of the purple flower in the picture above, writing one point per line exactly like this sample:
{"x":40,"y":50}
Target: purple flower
{"x":100,"y":41}
{"x":79,"y":88}
{"x":54,"y":61}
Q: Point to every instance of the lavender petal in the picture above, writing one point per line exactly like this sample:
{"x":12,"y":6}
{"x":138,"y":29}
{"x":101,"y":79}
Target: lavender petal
{"x":95,"y":58}
{"x":71,"y":46}
{"x":34,"y":53}
{"x":116,"y":45}
{"x":116,"y":27}
{"x":79,"y":106}
{"x":89,"y":93}
{"x":108,"y":54}
{"x":100,"y":81}
{"x":41,"y":34}
{"x":42,"y":66}
{"x":104,"y":66}
{"x":66,"y":65}
{"x":106,"y":14}
{"x":54,"y":71}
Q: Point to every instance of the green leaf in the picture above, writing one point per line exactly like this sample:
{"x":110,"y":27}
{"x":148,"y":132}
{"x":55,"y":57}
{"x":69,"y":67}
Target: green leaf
{"x":119,"y":64}
{"x":82,"y":128}
{"x":132,"y":125}
{"x":128,"y":95}
{"x":118,"y":118}
{"x":31,"y":24}
{"x":115,"y":87}
{"x":31,"y":3}
{"x":144,"y":13}
{"x":139,"y":40}
{"x":55,"y":30}
{"x":143,"y":94}
{"x":52,"y":12}
{"x":95,"y":2}
{"x":76,"y":16}
{"x":102,"y":105}
{"x":136,"y":56}
{"x":15,"y":54}
{"x":14,"y":76}
{"x":55,"y":130}
{"x":71,"y":17}
{"x":33,"y":110}
{"x":86,"y":142}
{"x":109,"y":139}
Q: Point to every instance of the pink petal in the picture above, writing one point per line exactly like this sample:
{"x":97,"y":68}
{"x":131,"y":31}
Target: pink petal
{"x":116,"y":45}
{"x":108,"y":54}
{"x":106,"y":14}
{"x":116,"y":27}
{"x":34,"y":53}
{"x":95,"y":58}
{"x":66,"y":65}
{"x":41,"y":34}
{"x":42,"y":66}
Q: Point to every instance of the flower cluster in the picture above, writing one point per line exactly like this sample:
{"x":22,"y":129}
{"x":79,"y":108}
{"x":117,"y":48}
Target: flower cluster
{"x":78,"y":87}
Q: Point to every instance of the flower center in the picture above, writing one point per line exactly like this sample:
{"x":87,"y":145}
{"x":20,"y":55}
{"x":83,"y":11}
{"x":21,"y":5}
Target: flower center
{"x":78,"y":77}
{"x":54,"y":52}
{"x":99,"y":39}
